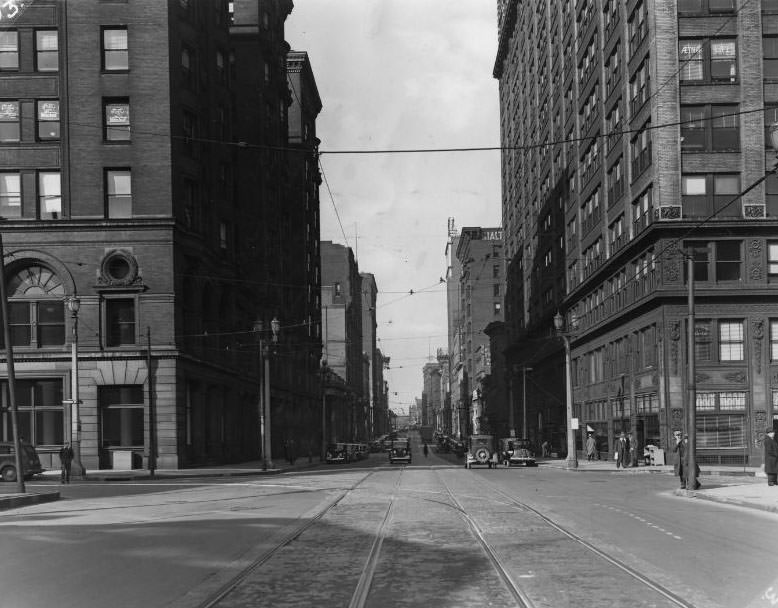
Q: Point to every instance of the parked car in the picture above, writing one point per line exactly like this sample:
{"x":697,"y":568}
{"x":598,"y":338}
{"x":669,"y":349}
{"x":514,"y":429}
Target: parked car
{"x":400,"y":451}
{"x":336,"y":453}
{"x":31,"y":464}
{"x":480,"y":449}
{"x":515,"y":452}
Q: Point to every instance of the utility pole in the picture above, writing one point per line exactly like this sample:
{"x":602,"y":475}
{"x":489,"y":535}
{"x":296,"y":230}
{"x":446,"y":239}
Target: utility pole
{"x":11,"y":375}
{"x":524,"y":402}
{"x":691,"y":473}
{"x":152,"y":411}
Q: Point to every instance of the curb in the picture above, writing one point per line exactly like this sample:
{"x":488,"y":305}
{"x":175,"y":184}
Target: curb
{"x":724,"y":500}
{"x":25,"y":500}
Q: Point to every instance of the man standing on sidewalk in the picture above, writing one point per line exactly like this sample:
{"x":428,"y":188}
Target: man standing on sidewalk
{"x":679,"y":450}
{"x":770,"y":457}
{"x":66,"y":460}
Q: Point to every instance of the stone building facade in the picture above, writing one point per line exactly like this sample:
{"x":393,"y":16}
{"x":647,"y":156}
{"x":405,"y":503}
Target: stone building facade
{"x":129,"y":148}
{"x":635,"y":138}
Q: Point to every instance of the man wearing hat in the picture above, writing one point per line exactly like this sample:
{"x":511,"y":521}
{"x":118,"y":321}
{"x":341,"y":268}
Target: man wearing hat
{"x":622,"y":451}
{"x":679,"y":451}
{"x":770,"y":456}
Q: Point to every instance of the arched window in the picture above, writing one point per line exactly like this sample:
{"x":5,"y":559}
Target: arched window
{"x":36,"y":307}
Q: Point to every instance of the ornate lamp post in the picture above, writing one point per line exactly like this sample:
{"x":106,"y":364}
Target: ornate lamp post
{"x":74,"y":305}
{"x":566,"y":333}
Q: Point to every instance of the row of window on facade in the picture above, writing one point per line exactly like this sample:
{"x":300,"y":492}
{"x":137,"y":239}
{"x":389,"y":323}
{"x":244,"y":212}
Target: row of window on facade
{"x":41,"y":415}
{"x":117,"y":188}
{"x":719,"y":423}
{"x":116,"y":120}
{"x":114,"y":52}
{"x":715,"y":341}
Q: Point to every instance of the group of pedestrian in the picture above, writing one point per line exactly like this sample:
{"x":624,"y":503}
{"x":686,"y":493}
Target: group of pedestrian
{"x":626,"y":451}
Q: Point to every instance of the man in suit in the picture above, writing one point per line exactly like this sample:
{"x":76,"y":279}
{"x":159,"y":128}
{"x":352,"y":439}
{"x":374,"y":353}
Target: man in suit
{"x":679,"y":451}
{"x":771,"y":457}
{"x":622,"y":451}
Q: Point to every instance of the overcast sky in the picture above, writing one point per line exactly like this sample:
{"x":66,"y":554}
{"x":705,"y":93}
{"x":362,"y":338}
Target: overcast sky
{"x":404,"y":74}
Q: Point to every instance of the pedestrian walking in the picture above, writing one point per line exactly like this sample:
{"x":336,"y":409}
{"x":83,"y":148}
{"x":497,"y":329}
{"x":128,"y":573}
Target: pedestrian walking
{"x":591,"y":447}
{"x":633,"y":450}
{"x":544,"y":449}
{"x":622,"y":451}
{"x":426,"y":450}
{"x":686,"y":482}
{"x":771,"y":457}
{"x":66,"y":461}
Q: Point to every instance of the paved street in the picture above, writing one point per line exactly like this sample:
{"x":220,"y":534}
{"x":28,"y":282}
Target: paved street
{"x":394,"y":536}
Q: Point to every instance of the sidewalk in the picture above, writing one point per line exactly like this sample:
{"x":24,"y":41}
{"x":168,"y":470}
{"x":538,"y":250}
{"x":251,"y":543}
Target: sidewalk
{"x":11,"y":499}
{"x":742,"y":486}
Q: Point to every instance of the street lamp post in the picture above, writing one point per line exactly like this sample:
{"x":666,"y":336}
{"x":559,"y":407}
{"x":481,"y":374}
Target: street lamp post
{"x":524,"y":402}
{"x":324,"y":374}
{"x":264,"y":389}
{"x":74,"y":305}
{"x":566,"y":333}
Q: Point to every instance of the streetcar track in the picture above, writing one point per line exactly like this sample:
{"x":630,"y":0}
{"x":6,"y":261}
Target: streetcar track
{"x":216,"y":597}
{"x":521,"y":598}
{"x":629,"y":570}
{"x":362,"y":591}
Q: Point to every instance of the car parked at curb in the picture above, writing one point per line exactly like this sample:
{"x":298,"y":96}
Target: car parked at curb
{"x":31,"y":464}
{"x":480,"y":451}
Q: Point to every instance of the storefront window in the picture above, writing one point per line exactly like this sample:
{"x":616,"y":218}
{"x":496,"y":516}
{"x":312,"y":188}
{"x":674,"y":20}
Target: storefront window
{"x":40,"y":416}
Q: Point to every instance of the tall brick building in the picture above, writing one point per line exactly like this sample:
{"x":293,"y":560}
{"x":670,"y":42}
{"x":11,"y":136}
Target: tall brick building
{"x":630,"y":130}
{"x":145,"y":162}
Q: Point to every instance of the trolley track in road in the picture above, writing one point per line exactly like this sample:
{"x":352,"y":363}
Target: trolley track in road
{"x":629,"y":570}
{"x":215,"y":598}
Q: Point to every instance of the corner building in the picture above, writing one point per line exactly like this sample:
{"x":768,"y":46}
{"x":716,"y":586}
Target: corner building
{"x":122,"y":184}
{"x":635,"y":135}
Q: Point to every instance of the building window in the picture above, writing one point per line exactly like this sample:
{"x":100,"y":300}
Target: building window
{"x":119,"y":321}
{"x":731,"y":341}
{"x":10,"y":195}
{"x":716,"y":261}
{"x":46,"y":51}
{"x":36,"y":312}
{"x":116,"y":55}
{"x":706,"y":6}
{"x":717,"y":431}
{"x":711,"y":195}
{"x":640,"y":147}
{"x":772,"y":257}
{"x":497,"y":308}
{"x":116,"y":120}
{"x":49,"y":195}
{"x":223,"y":236}
{"x":9,"y":50}
{"x":774,"y":343}
{"x":40,"y":416}
{"x":708,"y":60}
{"x":121,"y":416}
{"x":9,"y":121}
{"x":770,"y":57}
{"x":118,"y":189}
{"x":707,"y":128}
{"x":48,"y":119}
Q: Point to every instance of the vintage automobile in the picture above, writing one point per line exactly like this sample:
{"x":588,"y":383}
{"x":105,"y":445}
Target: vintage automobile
{"x":337,"y":453}
{"x":480,"y":449}
{"x":31,"y":464}
{"x":516,"y":453}
{"x":400,"y":451}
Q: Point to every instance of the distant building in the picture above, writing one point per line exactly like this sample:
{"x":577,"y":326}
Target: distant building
{"x":479,"y":302}
{"x":342,"y":326}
